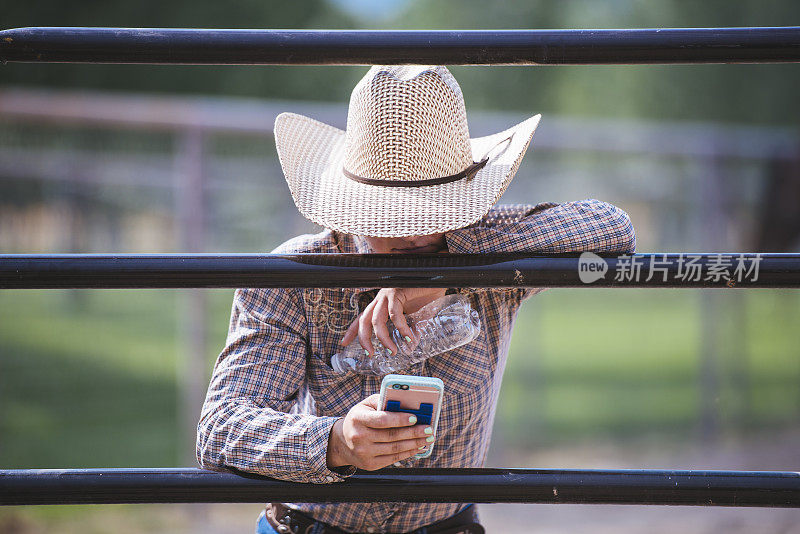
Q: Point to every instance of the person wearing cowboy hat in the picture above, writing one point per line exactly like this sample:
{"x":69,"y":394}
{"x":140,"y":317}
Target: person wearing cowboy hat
{"x":404,"y":177}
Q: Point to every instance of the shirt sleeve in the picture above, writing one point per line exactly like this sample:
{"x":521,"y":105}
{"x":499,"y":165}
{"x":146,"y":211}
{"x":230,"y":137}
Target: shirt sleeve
{"x":581,"y":226}
{"x":246,"y":422}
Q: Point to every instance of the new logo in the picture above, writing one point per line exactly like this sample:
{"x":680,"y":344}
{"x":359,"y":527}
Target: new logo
{"x":591,"y":267}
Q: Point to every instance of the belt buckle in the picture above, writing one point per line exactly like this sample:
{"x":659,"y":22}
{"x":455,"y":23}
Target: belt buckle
{"x":284,"y":523}
{"x":284,"y":526}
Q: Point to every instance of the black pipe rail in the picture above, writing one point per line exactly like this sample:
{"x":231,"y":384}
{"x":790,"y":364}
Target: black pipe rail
{"x":450,"y":47}
{"x":118,"y":271}
{"x":526,"y":47}
{"x":479,"y":485}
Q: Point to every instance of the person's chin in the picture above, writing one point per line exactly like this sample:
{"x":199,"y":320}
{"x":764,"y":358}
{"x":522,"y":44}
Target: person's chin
{"x":418,"y":250}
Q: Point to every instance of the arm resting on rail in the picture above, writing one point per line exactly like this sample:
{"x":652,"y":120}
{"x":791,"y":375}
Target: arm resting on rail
{"x":584,"y":225}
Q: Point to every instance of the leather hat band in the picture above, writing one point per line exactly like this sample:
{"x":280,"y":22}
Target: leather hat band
{"x":468,"y":172}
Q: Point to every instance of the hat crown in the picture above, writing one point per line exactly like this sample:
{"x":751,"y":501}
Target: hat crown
{"x":407,"y":122}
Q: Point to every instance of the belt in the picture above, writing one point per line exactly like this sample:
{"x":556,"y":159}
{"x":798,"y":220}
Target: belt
{"x":288,"y":521}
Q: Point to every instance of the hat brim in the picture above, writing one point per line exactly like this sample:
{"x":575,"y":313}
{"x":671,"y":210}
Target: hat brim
{"x":311,"y":155}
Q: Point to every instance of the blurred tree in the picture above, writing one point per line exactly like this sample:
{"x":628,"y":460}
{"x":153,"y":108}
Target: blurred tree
{"x":734,"y":93}
{"x":299,"y":82}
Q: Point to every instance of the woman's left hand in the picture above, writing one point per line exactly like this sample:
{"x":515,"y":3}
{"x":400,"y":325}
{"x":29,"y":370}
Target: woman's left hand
{"x":389,"y":303}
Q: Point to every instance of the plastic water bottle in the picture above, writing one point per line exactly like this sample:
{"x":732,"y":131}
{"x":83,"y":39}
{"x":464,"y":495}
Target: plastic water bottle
{"x":442,"y":325}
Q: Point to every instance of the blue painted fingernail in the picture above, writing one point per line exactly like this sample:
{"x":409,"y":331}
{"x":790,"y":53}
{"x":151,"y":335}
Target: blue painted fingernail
{"x":412,"y":419}
{"x":366,"y":352}
{"x":407,"y":339}
{"x":429,"y":430}
{"x":429,"y":439}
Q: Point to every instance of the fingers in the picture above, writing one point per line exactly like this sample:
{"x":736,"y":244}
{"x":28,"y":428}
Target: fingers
{"x":355,"y":330}
{"x":372,"y":401}
{"x":381,"y":419}
{"x":388,"y":304}
{"x":380,"y":316}
{"x":391,"y":435}
{"x":385,"y":438}
{"x":372,"y":439}
{"x":395,"y":306}
{"x":388,"y":426}
{"x":400,"y":450}
{"x":379,"y":462}
{"x":365,"y":329}
{"x":351,"y":333}
{"x":375,"y":449}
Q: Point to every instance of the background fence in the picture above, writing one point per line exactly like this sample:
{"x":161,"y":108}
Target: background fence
{"x":94,"y":172}
{"x":690,"y":366}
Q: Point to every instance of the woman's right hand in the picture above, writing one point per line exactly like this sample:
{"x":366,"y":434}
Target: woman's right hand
{"x":370,"y":439}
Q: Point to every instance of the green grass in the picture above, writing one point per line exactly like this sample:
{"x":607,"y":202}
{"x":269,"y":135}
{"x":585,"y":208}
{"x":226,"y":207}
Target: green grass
{"x":621,"y":363}
{"x":88,"y":379}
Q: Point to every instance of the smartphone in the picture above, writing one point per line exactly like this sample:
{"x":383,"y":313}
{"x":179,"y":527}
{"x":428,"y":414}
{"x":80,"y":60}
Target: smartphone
{"x":417,"y":395}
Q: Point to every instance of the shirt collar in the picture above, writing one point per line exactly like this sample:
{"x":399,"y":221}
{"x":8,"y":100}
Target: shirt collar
{"x":350,"y":244}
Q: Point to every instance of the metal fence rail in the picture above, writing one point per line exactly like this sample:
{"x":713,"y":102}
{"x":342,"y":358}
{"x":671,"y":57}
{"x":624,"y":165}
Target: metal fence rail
{"x":576,"y":486}
{"x":118,"y":271}
{"x":451,"y":47}
{"x":323,"y":47}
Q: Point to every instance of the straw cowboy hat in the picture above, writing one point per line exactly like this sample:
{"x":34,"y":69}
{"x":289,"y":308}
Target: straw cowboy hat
{"x":406,"y":165}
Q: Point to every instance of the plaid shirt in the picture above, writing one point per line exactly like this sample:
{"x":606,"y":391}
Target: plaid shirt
{"x":273,"y":397}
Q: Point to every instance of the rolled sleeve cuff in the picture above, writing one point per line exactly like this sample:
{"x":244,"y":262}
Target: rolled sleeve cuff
{"x":317,"y":453}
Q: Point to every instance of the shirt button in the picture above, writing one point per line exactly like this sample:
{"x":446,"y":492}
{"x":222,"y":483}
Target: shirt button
{"x":329,"y":478}
{"x":372,"y":529}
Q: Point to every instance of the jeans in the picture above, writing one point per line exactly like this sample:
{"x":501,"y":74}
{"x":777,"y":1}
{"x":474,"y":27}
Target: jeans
{"x":263,"y":526}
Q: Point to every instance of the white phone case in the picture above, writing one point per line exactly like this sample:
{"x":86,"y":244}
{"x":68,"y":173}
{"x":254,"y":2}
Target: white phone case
{"x":418,"y":389}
